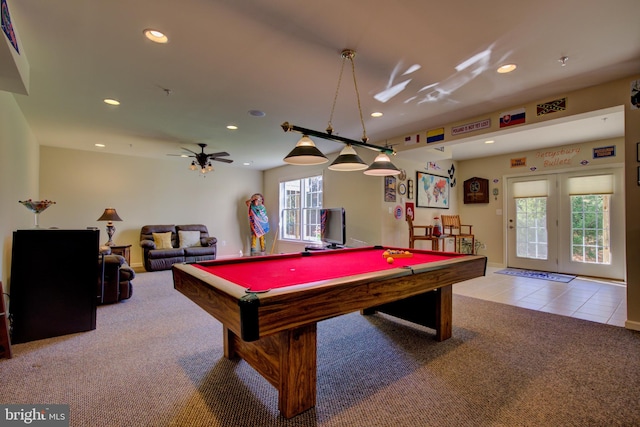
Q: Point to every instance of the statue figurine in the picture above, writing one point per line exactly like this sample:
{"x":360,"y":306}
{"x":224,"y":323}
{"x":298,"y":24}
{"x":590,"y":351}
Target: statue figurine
{"x":259,"y":222}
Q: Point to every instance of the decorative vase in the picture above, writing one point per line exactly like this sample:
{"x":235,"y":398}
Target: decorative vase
{"x":36,"y":206}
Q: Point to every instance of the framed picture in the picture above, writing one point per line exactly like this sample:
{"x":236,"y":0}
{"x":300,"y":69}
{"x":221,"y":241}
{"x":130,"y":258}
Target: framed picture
{"x":432,"y":191}
{"x":389,"y":188}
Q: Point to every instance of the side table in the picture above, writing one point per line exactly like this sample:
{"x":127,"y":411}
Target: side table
{"x":123,"y":250}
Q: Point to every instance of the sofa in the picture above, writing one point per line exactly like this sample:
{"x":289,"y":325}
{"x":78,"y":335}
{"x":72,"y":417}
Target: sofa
{"x":114,"y":283}
{"x":165,"y":245}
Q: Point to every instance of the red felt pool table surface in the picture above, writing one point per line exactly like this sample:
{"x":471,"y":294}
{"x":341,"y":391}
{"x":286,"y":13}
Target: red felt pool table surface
{"x":292,"y":269}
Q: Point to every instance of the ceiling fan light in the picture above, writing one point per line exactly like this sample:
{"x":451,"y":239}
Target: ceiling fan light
{"x":382,"y":166}
{"x":348,"y":160}
{"x":193,"y":166}
{"x":305,"y":153}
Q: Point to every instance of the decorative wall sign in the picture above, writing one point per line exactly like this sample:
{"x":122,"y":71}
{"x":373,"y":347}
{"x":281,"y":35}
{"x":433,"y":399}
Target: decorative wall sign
{"x":476,"y":190}
{"x":410,"y":189}
{"x":432,"y":191}
{"x":608,"y":151}
{"x":402,"y":189}
{"x":389,"y":188}
{"x":471,"y":127}
{"x":409,"y":210}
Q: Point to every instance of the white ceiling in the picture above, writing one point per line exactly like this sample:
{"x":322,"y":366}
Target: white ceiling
{"x":227,"y":57}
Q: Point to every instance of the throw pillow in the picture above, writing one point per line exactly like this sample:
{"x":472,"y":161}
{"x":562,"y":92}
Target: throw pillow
{"x":162,"y":240}
{"x":189,"y":238}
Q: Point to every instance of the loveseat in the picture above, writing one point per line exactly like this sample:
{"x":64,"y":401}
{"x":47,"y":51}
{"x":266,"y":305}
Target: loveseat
{"x":165,"y":245}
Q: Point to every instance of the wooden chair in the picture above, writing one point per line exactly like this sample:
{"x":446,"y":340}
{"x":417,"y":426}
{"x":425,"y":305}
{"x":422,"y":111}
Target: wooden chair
{"x":452,"y":227}
{"x":421,"y":235}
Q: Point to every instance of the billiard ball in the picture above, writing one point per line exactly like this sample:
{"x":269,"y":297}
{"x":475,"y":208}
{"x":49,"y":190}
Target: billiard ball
{"x":390,"y":260}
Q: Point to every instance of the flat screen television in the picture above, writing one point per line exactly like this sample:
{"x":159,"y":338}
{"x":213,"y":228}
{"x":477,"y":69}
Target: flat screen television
{"x":333,"y":232}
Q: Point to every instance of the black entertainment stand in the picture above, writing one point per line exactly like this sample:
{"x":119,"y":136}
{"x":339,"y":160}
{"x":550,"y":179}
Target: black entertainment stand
{"x":323,"y":248}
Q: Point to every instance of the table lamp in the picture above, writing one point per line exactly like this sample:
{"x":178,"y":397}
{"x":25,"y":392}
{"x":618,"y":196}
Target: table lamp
{"x":110,"y":215}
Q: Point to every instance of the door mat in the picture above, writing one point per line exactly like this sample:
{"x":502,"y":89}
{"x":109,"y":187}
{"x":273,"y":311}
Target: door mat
{"x":532,"y":274}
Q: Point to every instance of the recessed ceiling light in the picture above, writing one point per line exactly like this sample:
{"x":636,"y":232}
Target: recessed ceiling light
{"x":232,"y":127}
{"x":111,"y":101}
{"x":489,"y":141}
{"x":247,"y":163}
{"x":507,"y":68}
{"x":155,"y":36}
{"x":257,"y":113}
{"x":376,"y":114}
{"x":100,"y":145}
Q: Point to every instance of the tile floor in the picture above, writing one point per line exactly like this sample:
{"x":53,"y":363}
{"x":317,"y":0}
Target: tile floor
{"x":584,"y":298}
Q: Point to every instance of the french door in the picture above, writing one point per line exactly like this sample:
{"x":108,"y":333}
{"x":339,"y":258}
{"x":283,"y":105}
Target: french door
{"x":571,"y":223}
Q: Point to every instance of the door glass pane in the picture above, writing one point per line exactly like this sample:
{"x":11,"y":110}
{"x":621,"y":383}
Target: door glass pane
{"x":531,"y":227}
{"x":590,"y":229}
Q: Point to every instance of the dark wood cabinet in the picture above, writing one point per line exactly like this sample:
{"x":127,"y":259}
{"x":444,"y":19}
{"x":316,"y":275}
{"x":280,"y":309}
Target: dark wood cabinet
{"x":53,"y":283}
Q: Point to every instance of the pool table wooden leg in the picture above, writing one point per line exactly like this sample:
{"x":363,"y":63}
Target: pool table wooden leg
{"x":444,"y":313}
{"x":287,"y":360}
{"x":432,"y":309}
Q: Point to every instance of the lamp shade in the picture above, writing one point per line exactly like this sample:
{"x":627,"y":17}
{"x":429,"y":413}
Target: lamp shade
{"x":305,"y":153}
{"x":109,"y":214}
{"x":382,"y":166}
{"x":348,"y":160}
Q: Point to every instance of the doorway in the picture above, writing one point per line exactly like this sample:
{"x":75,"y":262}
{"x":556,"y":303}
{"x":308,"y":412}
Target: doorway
{"x":570,"y":222}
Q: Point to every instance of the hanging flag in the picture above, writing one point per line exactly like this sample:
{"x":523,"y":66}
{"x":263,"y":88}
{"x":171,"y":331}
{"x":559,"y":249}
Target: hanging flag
{"x":510,"y":118}
{"x":435,"y":135}
{"x":551,"y":106}
{"x":412,"y":139}
{"x":7,"y":26}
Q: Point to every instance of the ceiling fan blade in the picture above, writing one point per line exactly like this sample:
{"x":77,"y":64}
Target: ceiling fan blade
{"x":186,"y":149}
{"x":222,"y":160}
{"x":220,"y":154}
{"x":180,"y":155}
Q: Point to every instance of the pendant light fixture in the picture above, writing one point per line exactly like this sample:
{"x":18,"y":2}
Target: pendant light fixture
{"x":348,"y":160}
{"x":382,"y":166}
{"x":306,"y":153}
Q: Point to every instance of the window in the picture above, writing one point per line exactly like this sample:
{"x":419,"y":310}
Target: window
{"x":590,"y":220}
{"x":300,"y":204}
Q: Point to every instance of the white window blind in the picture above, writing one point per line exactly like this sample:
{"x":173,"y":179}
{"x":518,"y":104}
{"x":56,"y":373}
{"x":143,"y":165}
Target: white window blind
{"x":530,"y":189}
{"x":594,"y":184}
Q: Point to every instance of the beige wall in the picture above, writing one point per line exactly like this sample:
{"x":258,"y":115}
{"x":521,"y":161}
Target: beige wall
{"x":145,"y":191}
{"x":19,"y":163}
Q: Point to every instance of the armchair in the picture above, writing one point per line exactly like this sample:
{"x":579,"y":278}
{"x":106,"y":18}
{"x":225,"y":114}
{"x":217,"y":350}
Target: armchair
{"x":427,"y":234}
{"x":115,"y":285}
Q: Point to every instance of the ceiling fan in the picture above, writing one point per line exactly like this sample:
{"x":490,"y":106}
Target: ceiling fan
{"x":202,"y":160}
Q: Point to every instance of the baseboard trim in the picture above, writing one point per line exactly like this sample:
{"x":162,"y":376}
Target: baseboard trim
{"x":633,"y":325}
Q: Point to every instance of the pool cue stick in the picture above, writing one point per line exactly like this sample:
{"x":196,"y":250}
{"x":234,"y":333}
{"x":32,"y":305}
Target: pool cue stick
{"x":275,"y":239}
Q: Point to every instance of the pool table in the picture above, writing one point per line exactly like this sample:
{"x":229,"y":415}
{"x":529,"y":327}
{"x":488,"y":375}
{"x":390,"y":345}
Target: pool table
{"x":269,"y":306}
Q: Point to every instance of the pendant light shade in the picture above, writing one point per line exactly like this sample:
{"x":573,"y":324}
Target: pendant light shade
{"x":348,"y":160}
{"x":382,"y":166}
{"x":305,"y":153}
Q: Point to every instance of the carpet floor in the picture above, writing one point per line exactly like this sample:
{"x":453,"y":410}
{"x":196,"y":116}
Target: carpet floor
{"x":156,"y":360}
